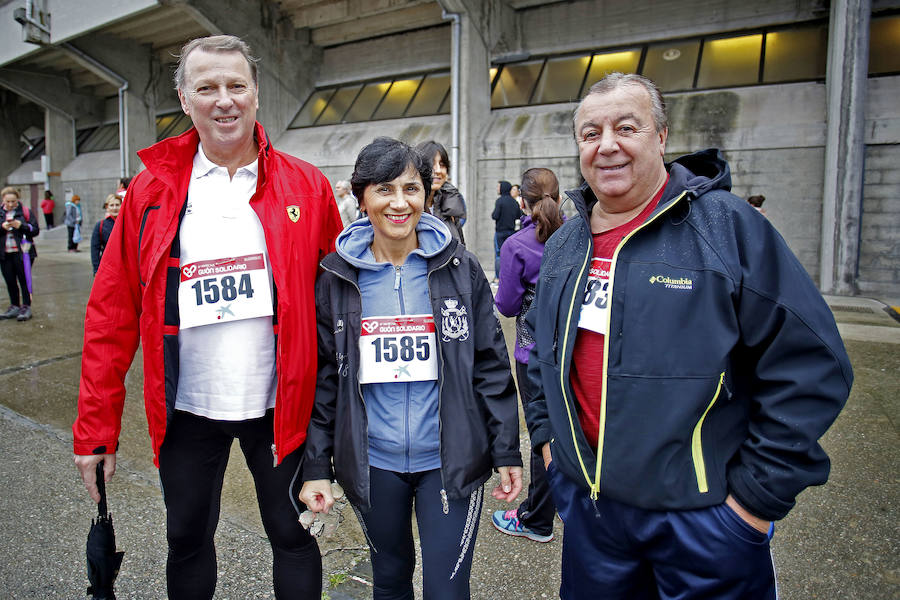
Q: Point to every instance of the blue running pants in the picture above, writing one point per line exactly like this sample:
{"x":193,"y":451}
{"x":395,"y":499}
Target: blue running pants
{"x":615,"y":551}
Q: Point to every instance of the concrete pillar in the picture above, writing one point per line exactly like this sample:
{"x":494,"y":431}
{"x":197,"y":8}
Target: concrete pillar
{"x":484,"y":25}
{"x":59,"y":139}
{"x":118,"y":62}
{"x":140,"y":131}
{"x":848,"y":59}
{"x":288,"y":61}
{"x":10,"y":147}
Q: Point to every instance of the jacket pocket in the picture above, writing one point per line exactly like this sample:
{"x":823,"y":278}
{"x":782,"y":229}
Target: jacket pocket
{"x":142,"y":247}
{"x":697,"y":443}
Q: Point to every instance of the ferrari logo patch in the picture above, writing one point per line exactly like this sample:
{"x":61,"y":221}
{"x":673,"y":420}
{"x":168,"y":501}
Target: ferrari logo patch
{"x":293,"y":212}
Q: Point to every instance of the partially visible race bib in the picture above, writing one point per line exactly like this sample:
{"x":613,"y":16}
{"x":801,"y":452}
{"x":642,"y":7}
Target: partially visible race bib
{"x":595,"y":304}
{"x":397,"y":349}
{"x":223,"y":290}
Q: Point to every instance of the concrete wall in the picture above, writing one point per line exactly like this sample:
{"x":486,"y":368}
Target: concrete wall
{"x":420,"y":50}
{"x":879,"y":256}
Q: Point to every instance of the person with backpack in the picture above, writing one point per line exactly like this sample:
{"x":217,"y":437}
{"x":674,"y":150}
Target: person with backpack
{"x":18,"y":230}
{"x":73,"y":222}
{"x":103,"y":229}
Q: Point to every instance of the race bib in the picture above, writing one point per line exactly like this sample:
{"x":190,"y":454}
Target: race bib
{"x":594,"y":307}
{"x":225,"y":289}
{"x":397,"y":349}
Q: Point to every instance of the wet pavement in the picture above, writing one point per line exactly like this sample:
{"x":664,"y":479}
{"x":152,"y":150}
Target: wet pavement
{"x":841,"y":541}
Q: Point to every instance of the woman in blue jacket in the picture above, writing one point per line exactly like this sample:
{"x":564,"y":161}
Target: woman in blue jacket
{"x":415,"y":403}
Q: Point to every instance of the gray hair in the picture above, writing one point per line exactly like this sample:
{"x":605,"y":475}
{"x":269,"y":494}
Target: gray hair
{"x":615,"y":80}
{"x":215,"y":43}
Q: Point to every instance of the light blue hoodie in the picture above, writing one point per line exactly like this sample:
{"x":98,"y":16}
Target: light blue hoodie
{"x":404,"y":429}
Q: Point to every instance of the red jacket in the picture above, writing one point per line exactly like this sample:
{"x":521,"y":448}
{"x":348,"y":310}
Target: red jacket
{"x":137,"y":282}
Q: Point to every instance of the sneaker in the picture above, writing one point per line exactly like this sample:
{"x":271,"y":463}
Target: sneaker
{"x":11,"y":313}
{"x":508,"y":522}
{"x":24,"y":313}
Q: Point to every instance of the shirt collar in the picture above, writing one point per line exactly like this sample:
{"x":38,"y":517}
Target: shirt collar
{"x":203,"y":166}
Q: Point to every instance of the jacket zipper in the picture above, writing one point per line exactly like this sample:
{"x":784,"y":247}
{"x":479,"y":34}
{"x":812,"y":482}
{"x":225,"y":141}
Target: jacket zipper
{"x":697,"y":444}
{"x":445,"y":505}
{"x":359,"y":392}
{"x":398,"y":287}
{"x":601,"y":436}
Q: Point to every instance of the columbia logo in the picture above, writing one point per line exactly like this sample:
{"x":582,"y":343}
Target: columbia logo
{"x":679,"y":283}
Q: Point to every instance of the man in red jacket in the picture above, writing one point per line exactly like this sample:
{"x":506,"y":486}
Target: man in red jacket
{"x":212,"y":268}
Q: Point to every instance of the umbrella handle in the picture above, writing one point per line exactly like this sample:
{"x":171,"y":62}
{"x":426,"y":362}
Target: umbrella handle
{"x":102,"y":508}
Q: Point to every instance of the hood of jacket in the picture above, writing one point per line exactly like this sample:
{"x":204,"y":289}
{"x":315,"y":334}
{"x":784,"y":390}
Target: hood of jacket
{"x":353,"y":244}
{"x":505,"y":188}
{"x":695,"y":174}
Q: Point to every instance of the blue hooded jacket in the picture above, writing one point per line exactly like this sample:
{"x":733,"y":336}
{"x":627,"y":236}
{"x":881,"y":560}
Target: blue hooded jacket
{"x":403,"y":417}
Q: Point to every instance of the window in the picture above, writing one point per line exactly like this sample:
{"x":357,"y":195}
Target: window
{"x":604,"y":64}
{"x":314,"y":106}
{"x":432,"y":97}
{"x":796,"y":54}
{"x":367,"y":101}
{"x":513,"y":85}
{"x":672,"y":66}
{"x":172,"y":124}
{"x":105,"y":137}
{"x":561,"y":80}
{"x":338,"y":104}
{"x":730,"y":61}
{"x":397,"y":98}
{"x":884,"y":45}
{"x":761,"y":56}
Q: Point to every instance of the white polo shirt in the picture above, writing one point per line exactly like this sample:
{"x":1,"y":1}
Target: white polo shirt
{"x":226,"y":342}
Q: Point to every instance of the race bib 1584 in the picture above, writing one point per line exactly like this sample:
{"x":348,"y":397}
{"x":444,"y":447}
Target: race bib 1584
{"x":225,"y":289}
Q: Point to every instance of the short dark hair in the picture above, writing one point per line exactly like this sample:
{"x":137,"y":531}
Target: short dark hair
{"x":215,"y":43}
{"x":756,"y":200}
{"x":386,"y":159}
{"x":430,"y":148}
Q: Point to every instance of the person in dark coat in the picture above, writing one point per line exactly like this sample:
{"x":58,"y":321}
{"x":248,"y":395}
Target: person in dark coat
{"x":103,"y":229}
{"x":444,"y":201}
{"x":19,"y":228}
{"x":506,"y":213}
{"x":415,"y":403}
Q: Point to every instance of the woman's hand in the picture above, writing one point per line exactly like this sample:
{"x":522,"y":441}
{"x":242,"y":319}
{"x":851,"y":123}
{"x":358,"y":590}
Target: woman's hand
{"x":510,"y":484}
{"x":316,"y":495}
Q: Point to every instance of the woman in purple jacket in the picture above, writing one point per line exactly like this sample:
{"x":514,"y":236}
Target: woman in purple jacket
{"x":520,"y":263}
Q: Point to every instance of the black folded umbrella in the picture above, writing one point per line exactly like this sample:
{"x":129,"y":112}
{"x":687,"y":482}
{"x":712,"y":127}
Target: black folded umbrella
{"x":103,"y":561}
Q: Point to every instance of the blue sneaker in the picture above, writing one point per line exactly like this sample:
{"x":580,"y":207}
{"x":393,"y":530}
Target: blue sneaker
{"x":508,"y":522}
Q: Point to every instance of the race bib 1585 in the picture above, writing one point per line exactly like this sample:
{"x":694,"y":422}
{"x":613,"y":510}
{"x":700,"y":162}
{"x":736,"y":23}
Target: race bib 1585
{"x":397,"y":349}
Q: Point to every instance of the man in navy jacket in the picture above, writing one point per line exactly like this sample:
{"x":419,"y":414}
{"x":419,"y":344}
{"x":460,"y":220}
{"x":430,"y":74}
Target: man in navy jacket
{"x":686,"y":367}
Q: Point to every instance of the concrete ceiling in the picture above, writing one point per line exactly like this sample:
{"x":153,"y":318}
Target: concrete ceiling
{"x":167,"y":27}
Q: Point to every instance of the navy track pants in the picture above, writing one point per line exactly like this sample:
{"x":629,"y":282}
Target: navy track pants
{"x":615,"y":551}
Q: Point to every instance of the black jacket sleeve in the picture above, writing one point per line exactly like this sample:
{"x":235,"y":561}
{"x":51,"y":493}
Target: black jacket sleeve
{"x":320,"y":434}
{"x":492,"y":378}
{"x":95,"y":245}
